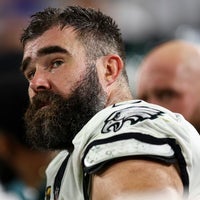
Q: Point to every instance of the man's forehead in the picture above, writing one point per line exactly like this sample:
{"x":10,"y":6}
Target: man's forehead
{"x":65,"y":38}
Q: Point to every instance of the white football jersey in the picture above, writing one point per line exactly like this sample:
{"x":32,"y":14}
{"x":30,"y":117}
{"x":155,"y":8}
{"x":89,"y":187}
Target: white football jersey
{"x":132,"y":129}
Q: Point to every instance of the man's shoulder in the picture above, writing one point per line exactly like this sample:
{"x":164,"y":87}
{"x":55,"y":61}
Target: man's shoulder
{"x":128,"y":117}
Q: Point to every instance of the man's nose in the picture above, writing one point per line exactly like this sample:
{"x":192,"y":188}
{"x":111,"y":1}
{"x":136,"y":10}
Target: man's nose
{"x":40,"y":81}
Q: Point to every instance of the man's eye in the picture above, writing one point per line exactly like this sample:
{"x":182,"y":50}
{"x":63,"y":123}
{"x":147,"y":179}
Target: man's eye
{"x":165,"y":95}
{"x":30,"y":75}
{"x":57,"y":63}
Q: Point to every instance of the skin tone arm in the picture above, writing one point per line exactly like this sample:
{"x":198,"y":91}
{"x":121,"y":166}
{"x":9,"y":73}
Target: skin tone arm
{"x":138,"y":179}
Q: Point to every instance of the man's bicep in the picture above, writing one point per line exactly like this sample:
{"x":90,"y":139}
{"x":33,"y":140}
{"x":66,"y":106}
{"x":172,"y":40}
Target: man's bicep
{"x":133,"y":178}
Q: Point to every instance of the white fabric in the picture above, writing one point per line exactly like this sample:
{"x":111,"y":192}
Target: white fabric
{"x":105,"y":132}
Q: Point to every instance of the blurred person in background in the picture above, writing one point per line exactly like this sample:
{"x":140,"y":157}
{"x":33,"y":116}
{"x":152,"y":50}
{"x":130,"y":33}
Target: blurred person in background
{"x":22,"y":169}
{"x":169,"y":76}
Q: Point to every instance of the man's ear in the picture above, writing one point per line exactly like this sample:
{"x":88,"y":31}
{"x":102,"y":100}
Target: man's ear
{"x":113,"y":66}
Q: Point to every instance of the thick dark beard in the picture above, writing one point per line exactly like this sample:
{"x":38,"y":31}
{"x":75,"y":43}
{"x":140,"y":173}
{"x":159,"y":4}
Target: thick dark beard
{"x":54,"y":126}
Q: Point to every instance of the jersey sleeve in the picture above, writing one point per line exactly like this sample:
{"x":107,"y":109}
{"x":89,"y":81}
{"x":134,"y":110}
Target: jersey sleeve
{"x":142,"y":132}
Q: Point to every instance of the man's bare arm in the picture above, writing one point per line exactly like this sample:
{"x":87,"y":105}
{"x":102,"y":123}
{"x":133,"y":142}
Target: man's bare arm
{"x":138,"y":179}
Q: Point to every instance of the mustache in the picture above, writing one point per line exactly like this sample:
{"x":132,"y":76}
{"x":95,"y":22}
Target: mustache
{"x":44,"y":98}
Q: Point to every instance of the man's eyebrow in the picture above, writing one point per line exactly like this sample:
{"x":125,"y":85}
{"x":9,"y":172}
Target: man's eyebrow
{"x":42,"y":52}
{"x":51,"y":49}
